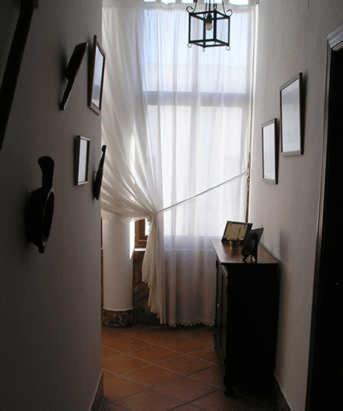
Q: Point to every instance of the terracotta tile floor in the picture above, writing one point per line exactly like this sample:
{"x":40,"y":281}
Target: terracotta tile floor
{"x":158,"y":369}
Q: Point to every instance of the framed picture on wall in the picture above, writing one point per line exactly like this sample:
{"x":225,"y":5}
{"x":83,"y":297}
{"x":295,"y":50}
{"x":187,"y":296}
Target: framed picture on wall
{"x":71,"y":72}
{"x":270,"y":152}
{"x":96,"y":83}
{"x":81,"y":160}
{"x":291,"y":107}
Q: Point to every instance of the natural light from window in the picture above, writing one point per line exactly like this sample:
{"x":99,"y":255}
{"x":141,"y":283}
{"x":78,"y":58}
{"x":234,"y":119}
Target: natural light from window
{"x":197,"y":104}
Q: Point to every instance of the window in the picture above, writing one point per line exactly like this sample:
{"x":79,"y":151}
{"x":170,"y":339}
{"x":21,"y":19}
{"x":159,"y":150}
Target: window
{"x":142,"y":230}
{"x":140,"y":234}
{"x":198,"y":105}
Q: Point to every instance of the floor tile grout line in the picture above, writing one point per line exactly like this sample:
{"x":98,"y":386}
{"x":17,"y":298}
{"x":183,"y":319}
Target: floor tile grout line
{"x":132,"y":353}
{"x":154,"y":387}
{"x":201,"y":380}
{"x":150,"y":364}
{"x":143,"y":386}
{"x":152,"y":343}
{"x":209,"y":364}
{"x":151,"y":389}
{"x":119,"y":374}
{"x":195,"y":399}
{"x":126,"y":376}
{"x":120,"y":402}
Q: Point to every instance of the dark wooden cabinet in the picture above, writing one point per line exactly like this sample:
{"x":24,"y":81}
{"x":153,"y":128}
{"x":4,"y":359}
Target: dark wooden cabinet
{"x":246,"y":316}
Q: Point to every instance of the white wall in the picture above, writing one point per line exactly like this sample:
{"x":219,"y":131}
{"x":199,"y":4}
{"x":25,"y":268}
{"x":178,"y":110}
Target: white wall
{"x":292,"y":38}
{"x":117,"y":264}
{"x":50,"y":303}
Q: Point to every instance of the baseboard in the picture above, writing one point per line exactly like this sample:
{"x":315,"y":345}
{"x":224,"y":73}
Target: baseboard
{"x":281,"y":402}
{"x":98,"y":401}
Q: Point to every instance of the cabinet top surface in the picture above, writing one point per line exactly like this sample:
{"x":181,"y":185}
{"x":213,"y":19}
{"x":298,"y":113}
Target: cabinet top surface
{"x":227,"y":254}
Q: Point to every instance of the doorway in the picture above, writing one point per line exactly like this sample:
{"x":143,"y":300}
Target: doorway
{"x":325,"y":378}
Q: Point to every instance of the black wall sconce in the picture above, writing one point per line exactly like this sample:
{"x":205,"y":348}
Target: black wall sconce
{"x":12,"y":69}
{"x":40,"y":207}
{"x":98,"y":177}
{"x":71,"y":72}
{"x":209,"y":27}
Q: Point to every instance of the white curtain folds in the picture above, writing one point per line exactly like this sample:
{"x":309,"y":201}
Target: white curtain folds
{"x":177,"y":124}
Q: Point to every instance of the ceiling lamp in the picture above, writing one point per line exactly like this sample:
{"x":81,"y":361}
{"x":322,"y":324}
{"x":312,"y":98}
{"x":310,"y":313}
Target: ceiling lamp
{"x":209,"y":27}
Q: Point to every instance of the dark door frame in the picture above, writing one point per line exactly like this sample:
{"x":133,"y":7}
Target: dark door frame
{"x":334,"y":43}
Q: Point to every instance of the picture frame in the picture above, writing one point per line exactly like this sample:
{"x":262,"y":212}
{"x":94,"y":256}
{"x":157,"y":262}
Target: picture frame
{"x":96,"y":82}
{"x":71,"y":72}
{"x":236,"y":231}
{"x":292,"y":117}
{"x":99,"y":174}
{"x":81,"y":160}
{"x":270,"y":152}
{"x":250,"y":245}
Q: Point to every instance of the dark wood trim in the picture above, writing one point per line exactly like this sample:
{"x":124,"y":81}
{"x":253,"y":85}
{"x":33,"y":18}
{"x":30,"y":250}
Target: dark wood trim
{"x":140,"y":237}
{"x":248,"y":188}
{"x":15,"y":56}
{"x":280,"y":400}
{"x":334,"y":43}
{"x":227,"y":254}
{"x":102,"y":262}
{"x":246,"y":321}
{"x":98,"y":401}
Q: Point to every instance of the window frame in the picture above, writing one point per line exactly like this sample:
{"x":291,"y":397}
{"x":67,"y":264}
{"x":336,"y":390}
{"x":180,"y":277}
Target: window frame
{"x":140,"y":237}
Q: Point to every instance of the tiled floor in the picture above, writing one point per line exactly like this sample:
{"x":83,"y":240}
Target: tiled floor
{"x":157,"y":369}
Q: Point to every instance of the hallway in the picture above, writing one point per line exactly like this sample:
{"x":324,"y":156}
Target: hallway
{"x":155,"y":369}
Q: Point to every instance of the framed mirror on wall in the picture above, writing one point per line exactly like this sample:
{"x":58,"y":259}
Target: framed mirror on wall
{"x":97,"y":71}
{"x":81,"y":160}
{"x":270,"y":152}
{"x":292,"y":116}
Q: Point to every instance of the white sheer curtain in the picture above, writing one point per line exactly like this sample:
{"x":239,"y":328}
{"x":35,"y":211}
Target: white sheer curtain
{"x":132,"y":184}
{"x":177,"y":122}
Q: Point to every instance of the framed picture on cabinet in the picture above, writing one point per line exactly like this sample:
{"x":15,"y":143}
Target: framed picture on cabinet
{"x":235,"y":232}
{"x":270,"y":152}
{"x":96,"y":83}
{"x":81,"y":160}
{"x":291,"y":108}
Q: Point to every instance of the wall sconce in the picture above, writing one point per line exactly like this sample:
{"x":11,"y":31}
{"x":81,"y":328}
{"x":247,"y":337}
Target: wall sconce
{"x":40,"y":207}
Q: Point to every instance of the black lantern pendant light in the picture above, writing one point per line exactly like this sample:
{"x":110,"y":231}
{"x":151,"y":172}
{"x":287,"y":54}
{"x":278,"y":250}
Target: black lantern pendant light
{"x":212,"y":24}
